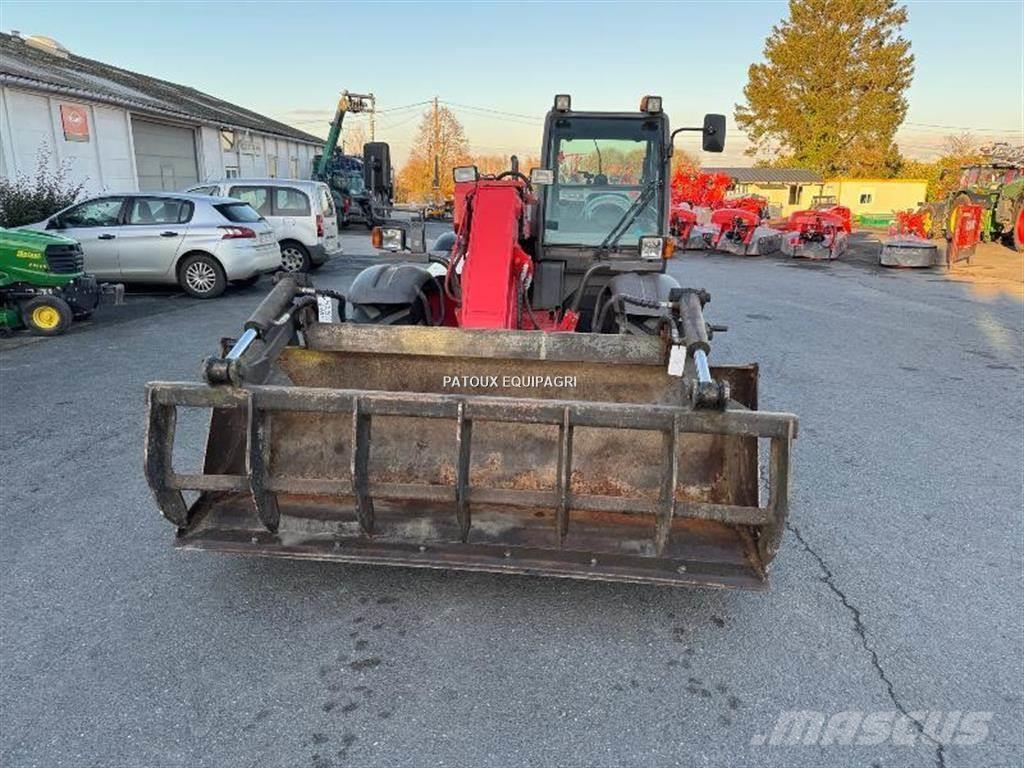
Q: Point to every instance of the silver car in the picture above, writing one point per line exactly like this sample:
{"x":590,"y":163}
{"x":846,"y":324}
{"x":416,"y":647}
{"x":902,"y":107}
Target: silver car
{"x":301,"y":212}
{"x":197,"y":241}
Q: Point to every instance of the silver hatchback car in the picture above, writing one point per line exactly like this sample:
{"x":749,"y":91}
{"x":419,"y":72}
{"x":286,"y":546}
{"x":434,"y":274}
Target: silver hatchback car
{"x":197,"y":241}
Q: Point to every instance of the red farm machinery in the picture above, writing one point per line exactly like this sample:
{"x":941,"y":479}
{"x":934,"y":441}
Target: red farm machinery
{"x":536,"y":399}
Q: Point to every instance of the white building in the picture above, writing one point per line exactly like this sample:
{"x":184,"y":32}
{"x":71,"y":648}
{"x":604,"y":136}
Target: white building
{"x":121,"y":131}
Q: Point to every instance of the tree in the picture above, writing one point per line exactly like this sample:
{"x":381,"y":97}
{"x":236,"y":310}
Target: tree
{"x":440,"y":134}
{"x":830,"y":93}
{"x":353,"y":138}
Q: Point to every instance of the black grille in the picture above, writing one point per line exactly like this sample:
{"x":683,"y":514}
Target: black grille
{"x":64,"y":259}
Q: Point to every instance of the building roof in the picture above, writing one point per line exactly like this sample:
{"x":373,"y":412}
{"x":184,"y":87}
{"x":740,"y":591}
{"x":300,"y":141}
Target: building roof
{"x":60,"y":71}
{"x":769,"y":175}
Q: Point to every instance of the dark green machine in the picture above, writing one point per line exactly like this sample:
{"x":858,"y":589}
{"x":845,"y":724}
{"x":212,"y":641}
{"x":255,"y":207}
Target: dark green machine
{"x":43,"y":285}
{"x":998,"y":187}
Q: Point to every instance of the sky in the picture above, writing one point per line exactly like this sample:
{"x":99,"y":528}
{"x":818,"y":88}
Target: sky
{"x":501,"y":63}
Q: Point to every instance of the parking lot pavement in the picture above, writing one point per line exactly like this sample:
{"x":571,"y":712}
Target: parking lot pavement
{"x":897,"y":589}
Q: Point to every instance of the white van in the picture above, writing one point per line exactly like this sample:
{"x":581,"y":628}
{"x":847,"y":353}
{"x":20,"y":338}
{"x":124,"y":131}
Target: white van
{"x":301,"y":213}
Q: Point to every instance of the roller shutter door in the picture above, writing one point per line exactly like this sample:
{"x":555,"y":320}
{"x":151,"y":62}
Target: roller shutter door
{"x":165,"y":156}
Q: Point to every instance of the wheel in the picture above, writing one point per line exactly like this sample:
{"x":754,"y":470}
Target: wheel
{"x":294,"y":257}
{"x":950,"y":222}
{"x":46,"y":315}
{"x":245,"y":282}
{"x":201,"y":276}
{"x":1017,"y":233}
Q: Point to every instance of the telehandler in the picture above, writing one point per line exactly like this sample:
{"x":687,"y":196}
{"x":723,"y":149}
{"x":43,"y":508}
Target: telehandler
{"x":536,"y":400}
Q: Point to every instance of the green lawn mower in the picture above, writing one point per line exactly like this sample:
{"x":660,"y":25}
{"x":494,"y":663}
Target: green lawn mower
{"x":43,"y":286}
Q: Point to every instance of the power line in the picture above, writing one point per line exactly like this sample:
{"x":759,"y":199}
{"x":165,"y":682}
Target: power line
{"x":966,"y":128}
{"x":404,"y":107}
{"x":503,"y":113}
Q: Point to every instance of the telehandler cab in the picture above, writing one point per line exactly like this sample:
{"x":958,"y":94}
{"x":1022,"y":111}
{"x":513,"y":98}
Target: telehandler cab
{"x":538,"y":399}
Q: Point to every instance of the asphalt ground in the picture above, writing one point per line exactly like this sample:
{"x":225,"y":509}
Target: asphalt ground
{"x":897,"y":589}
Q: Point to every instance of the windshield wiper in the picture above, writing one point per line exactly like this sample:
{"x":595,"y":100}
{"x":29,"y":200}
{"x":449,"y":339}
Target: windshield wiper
{"x":629,"y":216}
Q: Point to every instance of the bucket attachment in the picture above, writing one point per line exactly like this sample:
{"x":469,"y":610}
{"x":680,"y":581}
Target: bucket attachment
{"x":572,"y":455}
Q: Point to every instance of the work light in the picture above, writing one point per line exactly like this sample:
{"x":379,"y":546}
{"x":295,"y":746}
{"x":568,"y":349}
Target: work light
{"x":563,"y":102}
{"x":388,"y":238}
{"x":655,"y":248}
{"x":651,"y":104}
{"x":465,"y":173}
{"x":540,"y":177}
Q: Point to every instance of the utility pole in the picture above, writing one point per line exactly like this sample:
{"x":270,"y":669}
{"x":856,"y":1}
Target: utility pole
{"x":373,"y":114}
{"x":437,"y":155}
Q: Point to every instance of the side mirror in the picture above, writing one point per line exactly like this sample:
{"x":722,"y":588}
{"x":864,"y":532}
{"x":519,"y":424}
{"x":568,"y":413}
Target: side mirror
{"x":714,"y":133}
{"x":542,"y":177}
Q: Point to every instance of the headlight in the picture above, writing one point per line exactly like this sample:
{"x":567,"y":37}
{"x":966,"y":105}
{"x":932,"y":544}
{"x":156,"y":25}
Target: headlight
{"x":388,"y":238}
{"x":652,"y":248}
{"x":465,"y":173}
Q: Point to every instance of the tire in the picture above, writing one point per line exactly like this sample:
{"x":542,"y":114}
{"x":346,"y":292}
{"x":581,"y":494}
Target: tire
{"x":294,"y":257}
{"x":245,"y":282}
{"x":201,"y":276}
{"x":1017,"y":226}
{"x":46,"y":315}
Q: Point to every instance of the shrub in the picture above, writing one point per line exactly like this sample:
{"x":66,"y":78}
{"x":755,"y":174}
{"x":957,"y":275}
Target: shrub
{"x":26,"y":199}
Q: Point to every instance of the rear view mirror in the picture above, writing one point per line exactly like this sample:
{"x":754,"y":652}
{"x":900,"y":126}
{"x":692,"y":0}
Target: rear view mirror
{"x":714,"y":133}
{"x":377,"y":167}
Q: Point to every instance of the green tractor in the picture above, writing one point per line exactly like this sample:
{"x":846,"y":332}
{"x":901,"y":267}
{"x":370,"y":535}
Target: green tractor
{"x":42,"y":283}
{"x":998,"y":187}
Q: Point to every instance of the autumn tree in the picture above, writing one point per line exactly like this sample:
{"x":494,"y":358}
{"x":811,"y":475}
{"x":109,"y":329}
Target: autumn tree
{"x":440,"y":135}
{"x":491,"y":165}
{"x":829,"y":94}
{"x":943,"y":173}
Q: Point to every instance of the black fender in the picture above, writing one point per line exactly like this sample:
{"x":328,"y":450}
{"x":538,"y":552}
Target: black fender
{"x":388,"y":284}
{"x":443,"y":244}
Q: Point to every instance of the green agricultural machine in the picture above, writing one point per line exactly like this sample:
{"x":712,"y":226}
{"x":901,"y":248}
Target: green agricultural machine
{"x":43,"y":286}
{"x":998,"y":187}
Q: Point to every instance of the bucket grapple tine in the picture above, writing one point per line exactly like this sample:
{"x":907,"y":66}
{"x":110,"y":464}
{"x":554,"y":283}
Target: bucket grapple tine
{"x":160,"y":430}
{"x":463,"y":441}
{"x":258,"y":460}
{"x":564,"y":472}
{"x":668,"y":495}
{"x":361,"y":465}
